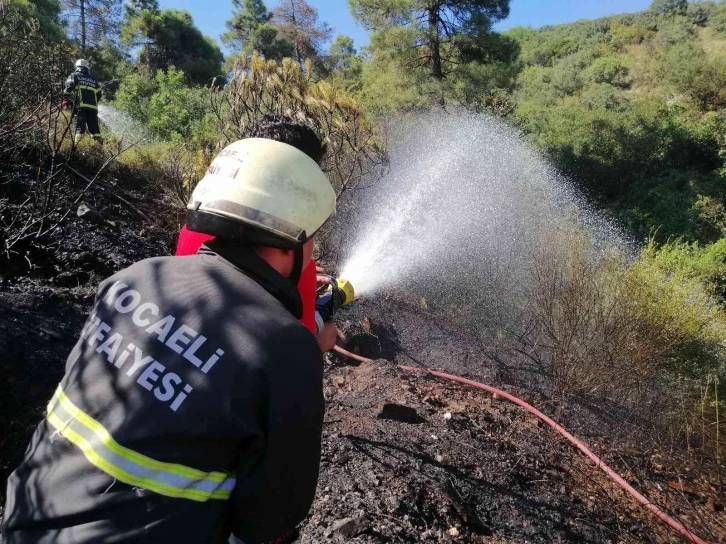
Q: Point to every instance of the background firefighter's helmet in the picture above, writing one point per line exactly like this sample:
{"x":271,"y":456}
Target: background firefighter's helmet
{"x":83,"y":63}
{"x":262,"y":192}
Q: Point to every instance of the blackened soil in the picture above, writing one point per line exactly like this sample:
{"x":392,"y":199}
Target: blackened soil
{"x":47,"y":288}
{"x":412,"y":459}
{"x":455,"y":466}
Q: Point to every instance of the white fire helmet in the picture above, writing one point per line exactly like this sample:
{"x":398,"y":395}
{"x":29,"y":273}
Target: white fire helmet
{"x":263,"y":192}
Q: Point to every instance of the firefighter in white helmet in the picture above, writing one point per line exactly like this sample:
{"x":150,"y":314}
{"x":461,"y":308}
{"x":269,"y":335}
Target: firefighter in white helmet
{"x":83,"y":93}
{"x":192,"y":404}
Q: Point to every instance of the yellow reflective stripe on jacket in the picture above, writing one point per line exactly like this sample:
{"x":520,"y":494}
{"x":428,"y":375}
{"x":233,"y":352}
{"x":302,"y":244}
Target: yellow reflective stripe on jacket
{"x":81,"y":103}
{"x":133,"y":456}
{"x":128,"y":466}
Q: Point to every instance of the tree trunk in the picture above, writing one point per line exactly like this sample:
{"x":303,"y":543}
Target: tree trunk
{"x":437,"y":70}
{"x":435,"y":43}
{"x":83,"y":28}
{"x":298,"y":49}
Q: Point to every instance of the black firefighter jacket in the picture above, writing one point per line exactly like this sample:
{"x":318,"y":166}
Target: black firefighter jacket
{"x":84,"y":89}
{"x":191,"y":409}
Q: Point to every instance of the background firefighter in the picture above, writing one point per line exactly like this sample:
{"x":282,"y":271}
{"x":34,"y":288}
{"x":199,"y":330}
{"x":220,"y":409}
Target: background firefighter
{"x":84,"y":92}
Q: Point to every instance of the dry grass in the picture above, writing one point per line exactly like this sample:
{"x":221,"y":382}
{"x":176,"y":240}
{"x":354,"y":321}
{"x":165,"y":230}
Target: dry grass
{"x":650,"y":340}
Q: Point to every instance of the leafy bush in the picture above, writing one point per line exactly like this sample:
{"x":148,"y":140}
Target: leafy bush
{"x":625,"y":332}
{"x":675,"y":31}
{"x":718,"y":21}
{"x":175,"y":108}
{"x":134,"y":94}
{"x":670,"y":7}
{"x":699,"y":13}
{"x":688,"y":69}
{"x":705,"y":264}
{"x":565,"y":79}
{"x":622,"y":34}
{"x":610,"y":70}
{"x":166,"y":104}
{"x":534,"y":85}
{"x":604,"y":97}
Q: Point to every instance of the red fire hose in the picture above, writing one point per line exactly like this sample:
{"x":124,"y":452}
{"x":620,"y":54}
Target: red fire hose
{"x":678,"y":527}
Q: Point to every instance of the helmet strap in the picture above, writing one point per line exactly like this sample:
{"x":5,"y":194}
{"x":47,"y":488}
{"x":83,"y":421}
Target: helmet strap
{"x":297,"y":266}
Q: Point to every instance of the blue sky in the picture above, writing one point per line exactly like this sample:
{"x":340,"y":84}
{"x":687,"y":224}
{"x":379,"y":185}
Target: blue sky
{"x":210,"y":15}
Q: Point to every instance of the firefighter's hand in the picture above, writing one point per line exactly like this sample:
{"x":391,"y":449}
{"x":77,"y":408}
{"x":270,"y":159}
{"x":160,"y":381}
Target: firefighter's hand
{"x":65,"y":103}
{"x":328,"y":337}
{"x":323,"y":278}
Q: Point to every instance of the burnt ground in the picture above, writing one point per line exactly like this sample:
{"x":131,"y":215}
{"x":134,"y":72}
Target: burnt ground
{"x":408,"y":458}
{"x":405,"y":458}
{"x":47,"y":287}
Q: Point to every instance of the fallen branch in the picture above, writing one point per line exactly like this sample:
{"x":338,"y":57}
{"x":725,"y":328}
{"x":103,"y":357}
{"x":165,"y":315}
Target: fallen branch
{"x":111,"y":193}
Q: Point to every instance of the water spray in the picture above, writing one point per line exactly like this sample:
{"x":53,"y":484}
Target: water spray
{"x":122,"y":125}
{"x":460,"y":217}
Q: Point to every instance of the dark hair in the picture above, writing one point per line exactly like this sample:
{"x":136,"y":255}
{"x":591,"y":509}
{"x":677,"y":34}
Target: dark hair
{"x":288,"y":131}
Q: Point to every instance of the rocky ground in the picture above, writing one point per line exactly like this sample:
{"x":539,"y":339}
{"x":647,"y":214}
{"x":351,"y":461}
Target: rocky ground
{"x":405,"y":458}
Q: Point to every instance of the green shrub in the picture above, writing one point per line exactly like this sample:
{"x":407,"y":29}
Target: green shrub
{"x":604,"y":97}
{"x":565,"y":79}
{"x":699,"y":13}
{"x":670,"y":7}
{"x":165,"y":103}
{"x":175,"y":108}
{"x":718,"y":21}
{"x":622,"y":330}
{"x":679,"y":30}
{"x":705,"y":264}
{"x":622,"y":35}
{"x":534,"y":85}
{"x":711,"y":214}
{"x":134,"y":94}
{"x":610,"y":70}
{"x":688,"y":69}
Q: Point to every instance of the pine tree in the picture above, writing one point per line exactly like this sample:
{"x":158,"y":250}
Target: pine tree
{"x":299,"y":25}
{"x":250,"y":30}
{"x":445,"y":32}
{"x":168,"y":37}
{"x":248,"y":16}
{"x":91,"y":22}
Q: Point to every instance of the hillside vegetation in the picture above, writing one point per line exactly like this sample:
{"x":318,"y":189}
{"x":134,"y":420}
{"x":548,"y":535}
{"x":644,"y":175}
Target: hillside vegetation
{"x":634,"y":108}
